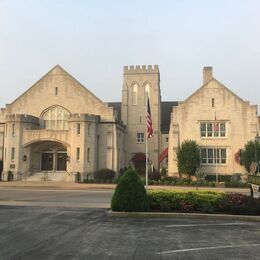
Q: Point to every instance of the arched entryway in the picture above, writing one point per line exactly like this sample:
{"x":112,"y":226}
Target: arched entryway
{"x":49,"y":156}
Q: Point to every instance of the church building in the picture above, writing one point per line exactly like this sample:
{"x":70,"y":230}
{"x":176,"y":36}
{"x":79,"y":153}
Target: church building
{"x":58,"y":130}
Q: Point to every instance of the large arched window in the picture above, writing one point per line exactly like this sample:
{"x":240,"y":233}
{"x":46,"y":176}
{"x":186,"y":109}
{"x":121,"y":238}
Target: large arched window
{"x":135,"y":94}
{"x":56,"y":118}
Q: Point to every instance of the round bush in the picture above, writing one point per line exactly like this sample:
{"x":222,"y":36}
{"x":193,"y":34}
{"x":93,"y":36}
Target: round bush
{"x":130,"y":194}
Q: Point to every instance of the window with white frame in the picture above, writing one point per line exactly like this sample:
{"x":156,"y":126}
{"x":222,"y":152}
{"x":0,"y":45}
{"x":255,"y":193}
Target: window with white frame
{"x":140,"y":138}
{"x":213,"y":129}
{"x":213,"y":155}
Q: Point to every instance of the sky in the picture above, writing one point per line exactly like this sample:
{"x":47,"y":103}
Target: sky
{"x":93,"y":40}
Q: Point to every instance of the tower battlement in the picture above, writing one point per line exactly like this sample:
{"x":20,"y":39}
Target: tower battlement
{"x":141,"y":69}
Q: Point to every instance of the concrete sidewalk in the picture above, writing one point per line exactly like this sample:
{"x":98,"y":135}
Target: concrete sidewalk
{"x":83,"y":186}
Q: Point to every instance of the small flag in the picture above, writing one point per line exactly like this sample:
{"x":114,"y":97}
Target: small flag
{"x":149,"y":120}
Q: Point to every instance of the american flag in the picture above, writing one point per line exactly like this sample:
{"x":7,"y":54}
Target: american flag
{"x":149,"y":120}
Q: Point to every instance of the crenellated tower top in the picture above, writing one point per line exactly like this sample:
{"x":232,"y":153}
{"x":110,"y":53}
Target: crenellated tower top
{"x":141,"y":69}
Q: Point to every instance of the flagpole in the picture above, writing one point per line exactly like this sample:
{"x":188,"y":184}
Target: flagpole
{"x":215,"y":150}
{"x":146,"y":148}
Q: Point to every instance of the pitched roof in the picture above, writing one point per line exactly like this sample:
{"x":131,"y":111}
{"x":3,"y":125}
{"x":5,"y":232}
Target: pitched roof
{"x":60,"y":69}
{"x":219,"y":84}
{"x":117,"y":109}
{"x":166,"y":109}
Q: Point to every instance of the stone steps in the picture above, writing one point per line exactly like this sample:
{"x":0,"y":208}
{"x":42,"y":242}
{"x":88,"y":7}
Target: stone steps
{"x":50,"y":176}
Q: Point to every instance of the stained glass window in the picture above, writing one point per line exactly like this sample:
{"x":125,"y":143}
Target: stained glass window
{"x":56,"y":118}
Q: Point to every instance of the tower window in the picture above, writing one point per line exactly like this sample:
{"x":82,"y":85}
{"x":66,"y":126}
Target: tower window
{"x":13,"y":130}
{"x":78,"y":128}
{"x":88,"y":155}
{"x":78,"y":154}
{"x":213,"y":102}
{"x":135,"y":94}
{"x":146,"y":92}
{"x":56,"y":91}
{"x":12,"y":154}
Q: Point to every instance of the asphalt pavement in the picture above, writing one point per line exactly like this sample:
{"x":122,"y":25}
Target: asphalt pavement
{"x":81,"y":233}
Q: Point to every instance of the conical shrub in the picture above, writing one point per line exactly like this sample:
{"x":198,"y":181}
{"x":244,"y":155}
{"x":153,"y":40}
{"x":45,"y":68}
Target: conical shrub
{"x":130,"y":194}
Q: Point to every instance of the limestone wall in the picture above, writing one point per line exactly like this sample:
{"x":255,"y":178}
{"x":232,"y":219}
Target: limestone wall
{"x":240,"y":118}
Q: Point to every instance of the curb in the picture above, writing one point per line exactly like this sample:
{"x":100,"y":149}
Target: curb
{"x":111,"y":213}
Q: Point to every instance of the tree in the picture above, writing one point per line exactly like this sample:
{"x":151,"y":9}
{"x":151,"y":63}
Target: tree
{"x":130,"y":194}
{"x":188,"y":156}
{"x":250,"y":153}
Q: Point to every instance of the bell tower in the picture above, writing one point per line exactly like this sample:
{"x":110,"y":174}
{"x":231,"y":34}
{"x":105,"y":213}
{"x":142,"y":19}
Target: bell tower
{"x":137,"y":81}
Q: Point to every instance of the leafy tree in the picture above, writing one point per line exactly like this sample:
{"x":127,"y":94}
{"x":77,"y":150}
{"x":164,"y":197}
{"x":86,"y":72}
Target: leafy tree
{"x":188,"y":156}
{"x":251,"y":153}
{"x":130,"y":194}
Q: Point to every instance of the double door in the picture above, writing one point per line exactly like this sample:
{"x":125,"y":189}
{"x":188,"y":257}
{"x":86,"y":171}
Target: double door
{"x":54,"y":161}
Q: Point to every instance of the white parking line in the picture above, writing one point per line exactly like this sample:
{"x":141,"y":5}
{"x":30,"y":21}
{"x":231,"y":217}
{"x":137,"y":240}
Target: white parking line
{"x":206,"y":248}
{"x":209,"y":224}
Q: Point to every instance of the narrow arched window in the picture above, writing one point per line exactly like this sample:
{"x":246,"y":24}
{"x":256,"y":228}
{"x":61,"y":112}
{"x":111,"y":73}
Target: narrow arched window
{"x":135,"y":94}
{"x":56,"y":118}
{"x":147,"y":91}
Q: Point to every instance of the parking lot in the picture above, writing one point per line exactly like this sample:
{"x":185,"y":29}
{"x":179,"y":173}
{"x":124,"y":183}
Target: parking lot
{"x":87,"y":233}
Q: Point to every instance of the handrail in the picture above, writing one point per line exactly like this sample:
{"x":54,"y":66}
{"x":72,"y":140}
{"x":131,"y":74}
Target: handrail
{"x":68,"y":173}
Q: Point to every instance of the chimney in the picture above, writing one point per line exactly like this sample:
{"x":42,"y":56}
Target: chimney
{"x":207,"y":74}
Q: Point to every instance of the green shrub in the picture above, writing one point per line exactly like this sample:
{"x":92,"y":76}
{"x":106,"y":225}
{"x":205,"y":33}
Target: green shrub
{"x":221,"y":178}
{"x":188,"y":157}
{"x":105,"y":174}
{"x":203,"y":201}
{"x":130,"y":194}
{"x":240,"y":204}
{"x":155,"y":175}
{"x":236,"y":184}
{"x":163,"y":173}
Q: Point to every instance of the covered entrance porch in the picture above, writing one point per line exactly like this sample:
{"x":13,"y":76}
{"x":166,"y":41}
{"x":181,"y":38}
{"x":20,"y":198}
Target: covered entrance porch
{"x":48,"y":161}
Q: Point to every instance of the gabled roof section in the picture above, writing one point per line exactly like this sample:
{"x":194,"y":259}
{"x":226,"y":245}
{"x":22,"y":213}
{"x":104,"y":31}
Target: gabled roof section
{"x":219,"y":84}
{"x":166,"y":109}
{"x":58,"y":70}
{"x":117,"y":108}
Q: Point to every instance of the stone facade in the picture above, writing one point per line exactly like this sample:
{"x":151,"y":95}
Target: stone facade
{"x":138,"y":81}
{"x":219,"y":121}
{"x":59,"y":126}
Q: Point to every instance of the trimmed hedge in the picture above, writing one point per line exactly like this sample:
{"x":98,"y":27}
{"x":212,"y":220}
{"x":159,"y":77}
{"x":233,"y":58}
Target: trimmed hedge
{"x":221,"y":178}
{"x":105,"y":174}
{"x":130,"y":194}
{"x":204,"y":202}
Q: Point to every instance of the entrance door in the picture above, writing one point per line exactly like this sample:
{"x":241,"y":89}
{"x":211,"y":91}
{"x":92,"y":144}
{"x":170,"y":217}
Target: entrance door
{"x":61,"y":161}
{"x":47,"y":161}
